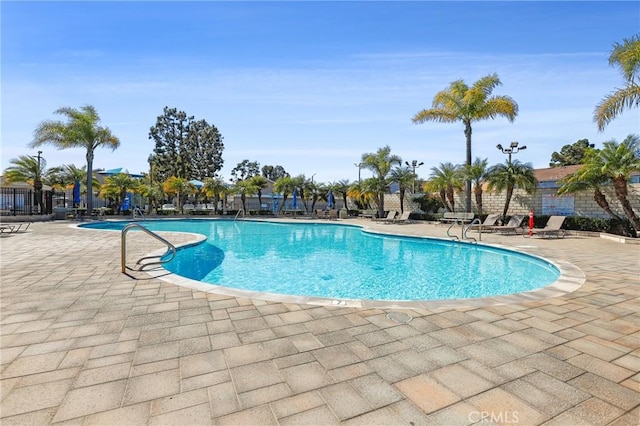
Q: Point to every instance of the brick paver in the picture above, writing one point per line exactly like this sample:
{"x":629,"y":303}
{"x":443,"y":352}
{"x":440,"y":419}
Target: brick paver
{"x":82,"y":343}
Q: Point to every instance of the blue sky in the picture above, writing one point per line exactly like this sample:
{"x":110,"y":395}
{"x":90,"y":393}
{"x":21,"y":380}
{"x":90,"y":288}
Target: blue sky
{"x":312,"y":86}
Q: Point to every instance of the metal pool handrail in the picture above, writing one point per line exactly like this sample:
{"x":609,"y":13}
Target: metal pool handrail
{"x":123,"y":251}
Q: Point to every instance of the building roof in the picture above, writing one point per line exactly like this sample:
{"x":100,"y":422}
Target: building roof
{"x":555,"y":173}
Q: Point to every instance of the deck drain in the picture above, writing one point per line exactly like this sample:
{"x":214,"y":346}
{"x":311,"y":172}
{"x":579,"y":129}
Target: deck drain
{"x":399,"y":317}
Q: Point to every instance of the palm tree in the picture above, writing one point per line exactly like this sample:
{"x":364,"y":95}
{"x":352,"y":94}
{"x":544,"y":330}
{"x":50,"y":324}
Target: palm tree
{"x":342,"y":187}
{"x":617,"y":161}
{"x":178,"y":186}
{"x":117,"y":186}
{"x":404,"y":177}
{"x":380,"y":163}
{"x":587,"y":178}
{"x":214,"y":187}
{"x":260,"y":182}
{"x":504,"y":177}
{"x":627,"y":57}
{"x":477,"y":173}
{"x":445,"y":180}
{"x":80,"y":131}
{"x":468,"y":104}
{"x":361,"y":192}
{"x":28,"y":169}
{"x":285,"y":186}
{"x":244,"y":188}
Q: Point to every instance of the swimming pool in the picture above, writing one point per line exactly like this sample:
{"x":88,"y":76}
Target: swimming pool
{"x":346,"y":262}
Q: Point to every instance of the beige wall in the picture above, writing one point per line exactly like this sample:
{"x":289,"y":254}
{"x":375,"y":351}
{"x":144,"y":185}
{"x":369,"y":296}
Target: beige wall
{"x":493,"y":202}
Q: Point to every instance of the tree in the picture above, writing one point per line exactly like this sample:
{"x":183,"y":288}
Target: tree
{"x":244,"y":188}
{"x":184,"y":147}
{"x":362,"y":194}
{"x":570,"y":155}
{"x":342,"y":187}
{"x":504,"y":177}
{"x":273,"y":173}
{"x":30,"y":170}
{"x":627,"y":57}
{"x":214,"y":187}
{"x":260,"y":182}
{"x":477,"y":173}
{"x":116,"y":188}
{"x":245,"y":169}
{"x":80,"y":131}
{"x":617,"y":161}
{"x":587,"y":178}
{"x":380,"y":163}
{"x":285,"y":186}
{"x":178,"y":186}
{"x":469,"y":104}
{"x":445,"y":180}
{"x":404,"y":177}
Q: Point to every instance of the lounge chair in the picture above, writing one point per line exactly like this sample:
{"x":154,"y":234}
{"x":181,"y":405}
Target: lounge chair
{"x":390,"y":216}
{"x":403,"y":218}
{"x":553,"y":227}
{"x":513,"y":225}
{"x":8,"y":229}
{"x":489,"y":221}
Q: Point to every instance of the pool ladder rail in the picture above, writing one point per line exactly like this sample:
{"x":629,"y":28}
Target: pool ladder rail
{"x":238,"y":214}
{"x":140,"y":264}
{"x":475,"y":221}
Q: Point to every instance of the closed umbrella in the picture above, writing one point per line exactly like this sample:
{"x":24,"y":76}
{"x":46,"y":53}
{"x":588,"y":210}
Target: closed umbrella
{"x":294,"y":203}
{"x":76,"y":193}
{"x":330,"y":199}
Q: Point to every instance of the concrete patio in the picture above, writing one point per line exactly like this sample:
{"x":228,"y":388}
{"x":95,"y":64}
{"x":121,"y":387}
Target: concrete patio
{"x":83,"y":344}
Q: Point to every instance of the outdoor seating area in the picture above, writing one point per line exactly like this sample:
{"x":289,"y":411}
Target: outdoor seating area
{"x":552,"y":228}
{"x":512,"y":226}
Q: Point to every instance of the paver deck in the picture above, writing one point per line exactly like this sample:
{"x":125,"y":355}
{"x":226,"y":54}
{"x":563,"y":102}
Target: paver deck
{"x":82,"y":343}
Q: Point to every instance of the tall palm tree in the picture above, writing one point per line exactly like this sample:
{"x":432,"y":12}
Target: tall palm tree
{"x":477,"y":173}
{"x":214,"y":187}
{"x":80,"y":131}
{"x":380,"y":163}
{"x":445,"y":180}
{"x":404,"y":177}
{"x":617,"y":161}
{"x":469,"y":104}
{"x":505,"y":177}
{"x":30,"y":170}
{"x":626,"y":56}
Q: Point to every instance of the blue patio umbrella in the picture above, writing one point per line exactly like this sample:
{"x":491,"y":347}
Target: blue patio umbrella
{"x":330,"y":199}
{"x":196,"y":183}
{"x":294,"y":203}
{"x":76,"y":193}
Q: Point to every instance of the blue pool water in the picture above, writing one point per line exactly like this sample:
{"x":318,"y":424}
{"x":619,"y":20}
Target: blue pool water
{"x":341,"y":261}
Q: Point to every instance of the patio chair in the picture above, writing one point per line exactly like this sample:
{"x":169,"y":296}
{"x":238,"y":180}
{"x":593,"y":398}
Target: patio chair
{"x":553,"y":227}
{"x":489,"y":221}
{"x":390,"y":216}
{"x":513,"y":225}
{"x":333,"y":214}
{"x":403,"y":218}
{"x":8,"y":229}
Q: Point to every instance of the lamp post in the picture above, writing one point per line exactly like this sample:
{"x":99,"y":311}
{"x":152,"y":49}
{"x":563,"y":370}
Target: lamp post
{"x":359,"y":166}
{"x":37,"y":185}
{"x":414,"y":165}
{"x":513,"y":148}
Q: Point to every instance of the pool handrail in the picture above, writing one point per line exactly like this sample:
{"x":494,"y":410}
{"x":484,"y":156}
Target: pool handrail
{"x":123,"y":250}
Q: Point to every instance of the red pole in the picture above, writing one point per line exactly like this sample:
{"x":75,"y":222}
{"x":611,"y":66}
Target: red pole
{"x":530,"y":222}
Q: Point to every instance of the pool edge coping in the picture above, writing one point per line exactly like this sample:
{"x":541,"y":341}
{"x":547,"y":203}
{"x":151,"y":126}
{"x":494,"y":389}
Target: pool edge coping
{"x":571,"y":279}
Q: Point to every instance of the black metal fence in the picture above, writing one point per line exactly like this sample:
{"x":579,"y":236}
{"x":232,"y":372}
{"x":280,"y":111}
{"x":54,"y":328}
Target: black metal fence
{"x":21,"y":201}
